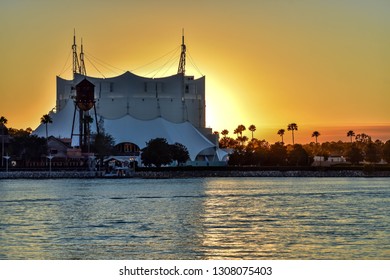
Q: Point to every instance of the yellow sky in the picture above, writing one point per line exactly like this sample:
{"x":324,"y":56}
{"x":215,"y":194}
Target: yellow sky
{"x":319,"y":64}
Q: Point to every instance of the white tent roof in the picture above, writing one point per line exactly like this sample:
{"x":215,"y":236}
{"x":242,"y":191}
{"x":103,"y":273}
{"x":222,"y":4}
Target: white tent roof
{"x":129,"y":129}
{"x":62,"y":123}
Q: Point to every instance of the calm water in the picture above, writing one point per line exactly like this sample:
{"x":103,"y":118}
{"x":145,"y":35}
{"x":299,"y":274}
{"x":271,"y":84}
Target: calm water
{"x":211,"y":218}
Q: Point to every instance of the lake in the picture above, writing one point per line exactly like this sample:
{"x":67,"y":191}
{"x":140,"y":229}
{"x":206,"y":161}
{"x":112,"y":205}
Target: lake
{"x":200,"y":218}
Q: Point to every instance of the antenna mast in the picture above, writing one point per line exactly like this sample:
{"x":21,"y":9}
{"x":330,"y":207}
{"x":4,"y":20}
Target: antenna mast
{"x":82,"y":69}
{"x":182,"y":63}
{"x":76,"y":65}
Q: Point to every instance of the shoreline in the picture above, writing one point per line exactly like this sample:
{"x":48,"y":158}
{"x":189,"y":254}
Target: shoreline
{"x":172,"y":174}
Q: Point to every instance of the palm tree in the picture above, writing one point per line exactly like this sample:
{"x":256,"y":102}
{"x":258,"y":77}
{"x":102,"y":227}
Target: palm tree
{"x":46,"y":119}
{"x":225,"y":132}
{"x":291,"y":127}
{"x":252,"y":128}
{"x":3,"y":121}
{"x":364,"y":138}
{"x":241,"y":128}
{"x":281,"y":133}
{"x":350,"y":133}
{"x":315,"y":134}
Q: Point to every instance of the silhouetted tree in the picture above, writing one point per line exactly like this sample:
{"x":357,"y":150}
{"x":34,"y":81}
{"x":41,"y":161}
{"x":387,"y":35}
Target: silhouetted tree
{"x":227,"y":142}
{"x":237,"y":157}
{"x":242,"y":139}
{"x":102,"y":145}
{"x":334,"y":148}
{"x":315,"y":134}
{"x":241,"y":128}
{"x":291,"y":127}
{"x":157,"y":152}
{"x":224,"y":132}
{"x":13,"y":132}
{"x":281,"y":133}
{"x":354,"y":154}
{"x":298,"y":156}
{"x":278,"y":154}
{"x":350,"y":134}
{"x":371,"y":153}
{"x":223,"y":142}
{"x":28,"y":147}
{"x":386,"y":152}
{"x":46,"y":119}
{"x":179,"y":153}
{"x":261,"y":156}
{"x":363,"y":138}
{"x":252,"y":129}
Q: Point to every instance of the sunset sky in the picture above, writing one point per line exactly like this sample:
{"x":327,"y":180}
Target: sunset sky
{"x":324,"y":65}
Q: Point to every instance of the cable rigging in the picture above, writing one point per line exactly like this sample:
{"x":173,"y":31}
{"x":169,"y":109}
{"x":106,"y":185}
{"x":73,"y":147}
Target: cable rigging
{"x":65,"y":67}
{"x":172,"y":59}
{"x":104,"y":64}
{"x":194,"y":65}
{"x":155,"y":60}
{"x":167,"y":65}
{"x":96,"y":68}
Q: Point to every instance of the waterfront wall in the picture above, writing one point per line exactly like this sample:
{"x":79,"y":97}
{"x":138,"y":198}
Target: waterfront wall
{"x":47,"y":174}
{"x":194,"y":174}
{"x":268,"y":173}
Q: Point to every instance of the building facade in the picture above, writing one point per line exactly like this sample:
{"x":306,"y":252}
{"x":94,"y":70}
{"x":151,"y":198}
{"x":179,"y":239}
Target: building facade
{"x":177,"y":98}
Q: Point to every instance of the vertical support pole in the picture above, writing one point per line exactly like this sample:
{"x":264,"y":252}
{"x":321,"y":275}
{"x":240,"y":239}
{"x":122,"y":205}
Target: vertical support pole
{"x":74,"y":117}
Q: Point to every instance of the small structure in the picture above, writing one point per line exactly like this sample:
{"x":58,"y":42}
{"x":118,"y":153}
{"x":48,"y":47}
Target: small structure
{"x":119,"y":166}
{"x":84,"y":101}
{"x":328,"y":161}
{"x":58,"y":147}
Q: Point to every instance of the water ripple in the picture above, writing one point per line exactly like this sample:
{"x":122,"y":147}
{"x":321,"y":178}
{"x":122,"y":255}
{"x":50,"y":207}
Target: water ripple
{"x":213,"y":218}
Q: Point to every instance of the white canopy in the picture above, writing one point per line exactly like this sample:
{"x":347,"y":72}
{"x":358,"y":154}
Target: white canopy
{"x":130,"y":129}
{"x":61,"y":127}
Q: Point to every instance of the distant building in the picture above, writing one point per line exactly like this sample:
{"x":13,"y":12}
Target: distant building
{"x":135,"y":109}
{"x":328,"y":161}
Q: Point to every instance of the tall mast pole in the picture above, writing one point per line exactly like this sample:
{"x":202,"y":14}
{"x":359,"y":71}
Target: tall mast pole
{"x":76,"y":65}
{"x":82,"y":69}
{"x":182,"y":64}
{"x":182,"y":70}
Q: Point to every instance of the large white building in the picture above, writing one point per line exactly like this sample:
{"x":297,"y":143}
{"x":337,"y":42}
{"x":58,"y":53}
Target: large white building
{"x":135,"y":109}
{"x":177,"y":98}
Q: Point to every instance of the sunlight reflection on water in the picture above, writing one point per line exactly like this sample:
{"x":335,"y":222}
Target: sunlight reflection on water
{"x":211,"y":218}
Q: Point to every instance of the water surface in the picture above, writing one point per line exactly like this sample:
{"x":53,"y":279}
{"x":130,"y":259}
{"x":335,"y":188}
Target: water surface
{"x":210,"y":218}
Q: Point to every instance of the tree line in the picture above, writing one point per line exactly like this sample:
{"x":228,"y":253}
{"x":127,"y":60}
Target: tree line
{"x":25,"y":146}
{"x":245,"y":151}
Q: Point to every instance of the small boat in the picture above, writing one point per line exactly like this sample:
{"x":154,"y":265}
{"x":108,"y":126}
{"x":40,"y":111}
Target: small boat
{"x":117,"y":167}
{"x":119,"y":172}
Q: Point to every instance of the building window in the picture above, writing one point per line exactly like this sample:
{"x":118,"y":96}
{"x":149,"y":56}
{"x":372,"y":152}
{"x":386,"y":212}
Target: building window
{"x":127,"y":148}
